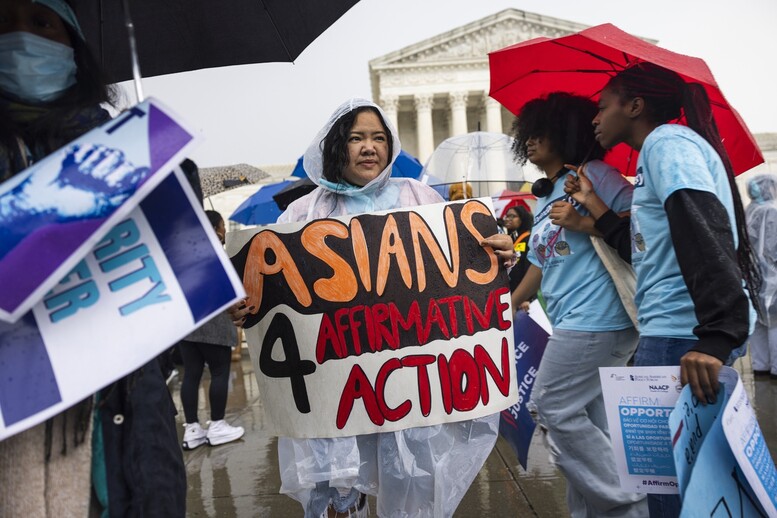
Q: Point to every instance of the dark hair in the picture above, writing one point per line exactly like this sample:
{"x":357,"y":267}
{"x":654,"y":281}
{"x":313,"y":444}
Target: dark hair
{"x":668,"y":98}
{"x":335,"y":143}
{"x":214,"y":217}
{"x":564,"y":120}
{"x":91,"y":86}
{"x":527,"y":220}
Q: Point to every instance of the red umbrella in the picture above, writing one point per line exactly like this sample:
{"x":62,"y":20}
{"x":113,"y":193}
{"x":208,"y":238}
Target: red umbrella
{"x":508,"y":199}
{"x":583,"y":62}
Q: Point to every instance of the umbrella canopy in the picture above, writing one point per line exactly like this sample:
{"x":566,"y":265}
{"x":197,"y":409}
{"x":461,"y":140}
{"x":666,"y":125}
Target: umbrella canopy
{"x":482,"y":159}
{"x":583,"y":62}
{"x":405,"y":166}
{"x":508,"y":199}
{"x":219,"y":179}
{"x":291,"y":192}
{"x":299,"y":169}
{"x":260,"y":208}
{"x":176,"y":36}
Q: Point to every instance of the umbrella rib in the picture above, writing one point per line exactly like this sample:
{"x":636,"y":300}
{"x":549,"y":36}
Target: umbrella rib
{"x":612,"y":63}
{"x":277,"y":31}
{"x":102,"y":36}
{"x":569,"y":71}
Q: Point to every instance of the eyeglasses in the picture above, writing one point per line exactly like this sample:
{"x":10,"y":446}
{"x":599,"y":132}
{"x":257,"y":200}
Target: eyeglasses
{"x":510,"y":216}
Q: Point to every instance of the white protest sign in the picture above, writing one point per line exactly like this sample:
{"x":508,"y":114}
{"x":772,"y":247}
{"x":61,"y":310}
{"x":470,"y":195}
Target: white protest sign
{"x":750,"y":450}
{"x":638,"y":401}
{"x":153,"y":278}
{"x":54,"y":212}
{"x":378,"y":322}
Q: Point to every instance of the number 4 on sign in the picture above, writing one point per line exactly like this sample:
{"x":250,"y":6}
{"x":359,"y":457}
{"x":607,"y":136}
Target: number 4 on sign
{"x":292,"y":366}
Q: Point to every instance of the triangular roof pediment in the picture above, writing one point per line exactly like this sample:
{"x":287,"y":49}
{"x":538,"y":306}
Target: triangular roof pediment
{"x":475,"y":40}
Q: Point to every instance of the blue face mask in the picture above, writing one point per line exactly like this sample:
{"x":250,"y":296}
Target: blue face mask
{"x":35,"y":69}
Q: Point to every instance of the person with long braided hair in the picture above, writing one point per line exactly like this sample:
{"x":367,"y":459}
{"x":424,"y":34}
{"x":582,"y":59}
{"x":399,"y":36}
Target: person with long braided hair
{"x":688,"y":241}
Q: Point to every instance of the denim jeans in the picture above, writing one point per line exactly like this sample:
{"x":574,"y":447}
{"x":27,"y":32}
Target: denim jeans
{"x":656,"y":351}
{"x":323,"y":495}
{"x":569,"y":401}
{"x":659,"y":351}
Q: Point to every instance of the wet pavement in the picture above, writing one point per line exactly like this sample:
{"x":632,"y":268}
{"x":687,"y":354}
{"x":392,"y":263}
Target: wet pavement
{"x":241,"y":479}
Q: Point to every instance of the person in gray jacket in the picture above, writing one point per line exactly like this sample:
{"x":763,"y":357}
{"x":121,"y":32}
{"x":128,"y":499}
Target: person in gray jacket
{"x":211,"y":343}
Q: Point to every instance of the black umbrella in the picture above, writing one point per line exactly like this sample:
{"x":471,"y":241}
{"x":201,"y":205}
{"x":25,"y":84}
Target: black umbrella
{"x":180,"y":35}
{"x":291,"y":192}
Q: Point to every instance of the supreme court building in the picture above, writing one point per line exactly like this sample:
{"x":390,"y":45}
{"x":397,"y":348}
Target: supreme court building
{"x":438,"y":87}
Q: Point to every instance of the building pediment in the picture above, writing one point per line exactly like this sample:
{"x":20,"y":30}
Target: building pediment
{"x":473,"y":42}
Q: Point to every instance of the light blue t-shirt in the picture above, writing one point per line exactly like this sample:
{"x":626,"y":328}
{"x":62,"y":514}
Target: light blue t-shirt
{"x":578,"y":289}
{"x":673,"y":157}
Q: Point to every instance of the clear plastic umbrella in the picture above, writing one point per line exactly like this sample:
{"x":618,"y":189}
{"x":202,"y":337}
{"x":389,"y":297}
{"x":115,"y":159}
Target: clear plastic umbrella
{"x":481,"y":159}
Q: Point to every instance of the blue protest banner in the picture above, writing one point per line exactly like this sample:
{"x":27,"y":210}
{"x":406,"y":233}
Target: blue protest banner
{"x":517,"y":424}
{"x":723,"y":464}
{"x":690,"y":422}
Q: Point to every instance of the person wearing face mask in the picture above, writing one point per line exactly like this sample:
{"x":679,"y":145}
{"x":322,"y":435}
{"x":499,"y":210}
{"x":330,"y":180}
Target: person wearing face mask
{"x":417,"y":472}
{"x":51,"y":91}
{"x":50,"y":85}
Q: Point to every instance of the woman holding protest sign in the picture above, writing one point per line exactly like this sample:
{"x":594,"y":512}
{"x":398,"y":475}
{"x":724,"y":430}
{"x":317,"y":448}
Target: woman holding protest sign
{"x":591,"y":328}
{"x":413,"y":472}
{"x":51,"y":90}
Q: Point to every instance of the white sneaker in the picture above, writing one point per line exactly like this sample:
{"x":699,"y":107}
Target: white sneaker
{"x":171,"y":376}
{"x":193,"y":436}
{"x":220,"y":432}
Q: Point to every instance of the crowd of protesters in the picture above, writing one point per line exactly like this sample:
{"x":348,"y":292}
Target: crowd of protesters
{"x":693,"y":310}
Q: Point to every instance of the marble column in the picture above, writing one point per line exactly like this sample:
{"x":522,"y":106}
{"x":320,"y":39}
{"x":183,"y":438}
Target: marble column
{"x":390,"y":105}
{"x":493,"y":114}
{"x":423,"y":111}
{"x":458,"y":105}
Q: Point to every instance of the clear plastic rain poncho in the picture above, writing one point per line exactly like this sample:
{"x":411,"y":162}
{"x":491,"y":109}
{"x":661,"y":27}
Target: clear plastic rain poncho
{"x":417,"y":472}
{"x":761,"y":217}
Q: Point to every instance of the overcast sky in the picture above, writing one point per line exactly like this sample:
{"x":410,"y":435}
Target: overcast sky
{"x":268,"y":113}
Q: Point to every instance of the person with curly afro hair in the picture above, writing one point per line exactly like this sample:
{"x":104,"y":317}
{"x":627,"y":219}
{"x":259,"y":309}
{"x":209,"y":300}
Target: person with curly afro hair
{"x":591,"y":328}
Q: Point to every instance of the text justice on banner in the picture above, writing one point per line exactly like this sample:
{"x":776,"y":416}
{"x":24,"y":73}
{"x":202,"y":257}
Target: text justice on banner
{"x":378,"y":322}
{"x":517,"y":424}
{"x":149,"y":281}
